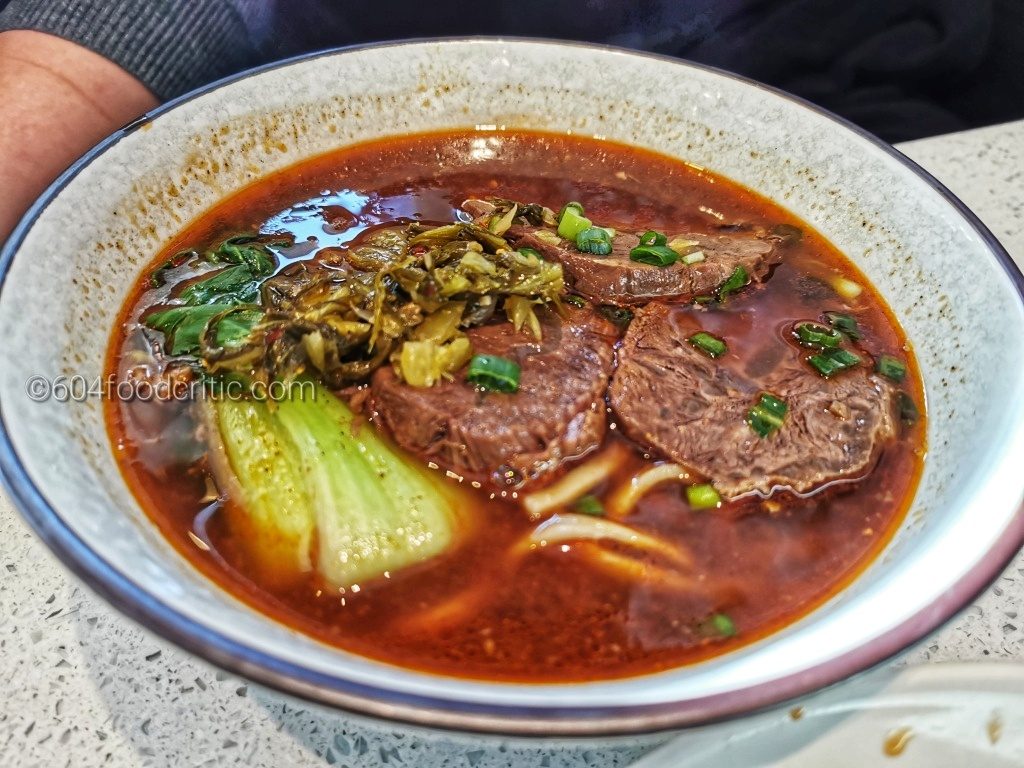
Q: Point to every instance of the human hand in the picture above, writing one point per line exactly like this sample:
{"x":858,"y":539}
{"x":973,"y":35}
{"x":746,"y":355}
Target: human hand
{"x":58,"y":100}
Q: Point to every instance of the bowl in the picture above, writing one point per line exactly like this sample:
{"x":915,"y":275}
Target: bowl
{"x":71,"y":262}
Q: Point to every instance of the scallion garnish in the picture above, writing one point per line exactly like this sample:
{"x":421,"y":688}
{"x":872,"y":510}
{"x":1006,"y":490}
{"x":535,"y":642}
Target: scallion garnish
{"x":768,"y":415}
{"x":498,"y":374}
{"x":650,"y":237}
{"x":571,"y":221}
{"x":718,"y":624}
{"x":814,"y":335}
{"x":845,"y":323}
{"x":908,"y":410}
{"x":703,"y":496}
{"x":710,"y":345}
{"x":891,"y":367}
{"x":737,"y":280}
{"x":595,"y":240}
{"x":577,"y":207}
{"x":655,"y":255}
{"x":722,"y":625}
{"x":831,"y":361}
{"x":589,"y":505}
{"x":693,"y":258}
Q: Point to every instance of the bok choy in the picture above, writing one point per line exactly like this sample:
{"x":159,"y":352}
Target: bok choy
{"x":304,"y":466}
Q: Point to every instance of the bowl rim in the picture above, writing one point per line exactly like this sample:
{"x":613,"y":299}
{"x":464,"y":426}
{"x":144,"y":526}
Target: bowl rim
{"x":435,"y":712}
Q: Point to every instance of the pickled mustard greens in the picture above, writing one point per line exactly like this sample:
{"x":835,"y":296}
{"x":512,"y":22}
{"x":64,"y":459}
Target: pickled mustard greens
{"x":406,"y":295}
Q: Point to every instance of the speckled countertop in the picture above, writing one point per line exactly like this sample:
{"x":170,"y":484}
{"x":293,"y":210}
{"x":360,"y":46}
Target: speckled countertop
{"x":82,"y":686}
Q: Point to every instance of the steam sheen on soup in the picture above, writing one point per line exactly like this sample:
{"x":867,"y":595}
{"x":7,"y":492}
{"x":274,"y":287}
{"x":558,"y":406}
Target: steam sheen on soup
{"x":516,"y":406}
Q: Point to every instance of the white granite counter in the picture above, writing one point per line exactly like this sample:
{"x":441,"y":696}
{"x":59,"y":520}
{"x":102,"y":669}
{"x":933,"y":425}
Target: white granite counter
{"x":84,"y":687}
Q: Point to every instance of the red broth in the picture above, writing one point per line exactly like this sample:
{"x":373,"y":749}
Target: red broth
{"x":478,"y":611}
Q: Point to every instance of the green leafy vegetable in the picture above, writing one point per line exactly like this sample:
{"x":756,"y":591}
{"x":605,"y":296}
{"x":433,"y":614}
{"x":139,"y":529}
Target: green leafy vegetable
{"x":249,"y":250}
{"x":891,"y":367}
{"x":305,"y":465}
{"x":595,"y":240}
{"x":832,"y":361}
{"x":183,"y":326}
{"x":710,"y":345}
{"x":845,"y":323}
{"x":702,"y":496}
{"x":498,"y":374}
{"x":234,"y":285}
{"x":158,"y":276}
{"x":767,"y":415}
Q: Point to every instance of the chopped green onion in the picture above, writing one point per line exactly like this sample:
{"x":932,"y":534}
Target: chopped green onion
{"x":589,"y":505}
{"x":572,"y":204}
{"x":655,"y":255}
{"x":712,"y":346}
{"x":595,"y":240}
{"x":831,"y":361}
{"x":908,"y":410}
{"x":703,"y":496}
{"x":495,"y":373}
{"x":845,"y":323}
{"x":891,"y":367}
{"x":572,"y":221}
{"x":768,"y":415}
{"x":531,"y":252}
{"x":814,"y":335}
{"x":703,"y":299}
{"x":576,"y":301}
{"x":737,"y":280}
{"x":650,"y":237}
{"x":720,"y":624}
{"x":694,"y":258}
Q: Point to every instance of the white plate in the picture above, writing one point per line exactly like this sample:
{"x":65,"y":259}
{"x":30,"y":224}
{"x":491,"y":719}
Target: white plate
{"x":940,"y":714}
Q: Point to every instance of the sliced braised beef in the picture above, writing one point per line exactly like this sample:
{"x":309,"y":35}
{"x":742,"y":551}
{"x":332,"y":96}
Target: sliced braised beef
{"x":617,"y":279}
{"x":692,"y":409}
{"x":558,"y":412}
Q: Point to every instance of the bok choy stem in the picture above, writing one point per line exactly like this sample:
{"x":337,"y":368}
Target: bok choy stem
{"x":371,"y":509}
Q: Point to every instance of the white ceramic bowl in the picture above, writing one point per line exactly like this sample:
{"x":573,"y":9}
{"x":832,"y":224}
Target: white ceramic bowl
{"x":70,"y":264}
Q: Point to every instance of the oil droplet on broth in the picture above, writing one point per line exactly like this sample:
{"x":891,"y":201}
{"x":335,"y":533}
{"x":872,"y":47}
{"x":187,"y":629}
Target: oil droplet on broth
{"x":897,"y":741}
{"x":994,"y":728}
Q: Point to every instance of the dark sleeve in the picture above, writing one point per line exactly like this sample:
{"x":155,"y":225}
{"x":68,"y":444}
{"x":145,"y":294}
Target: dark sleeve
{"x":172,"y":46}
